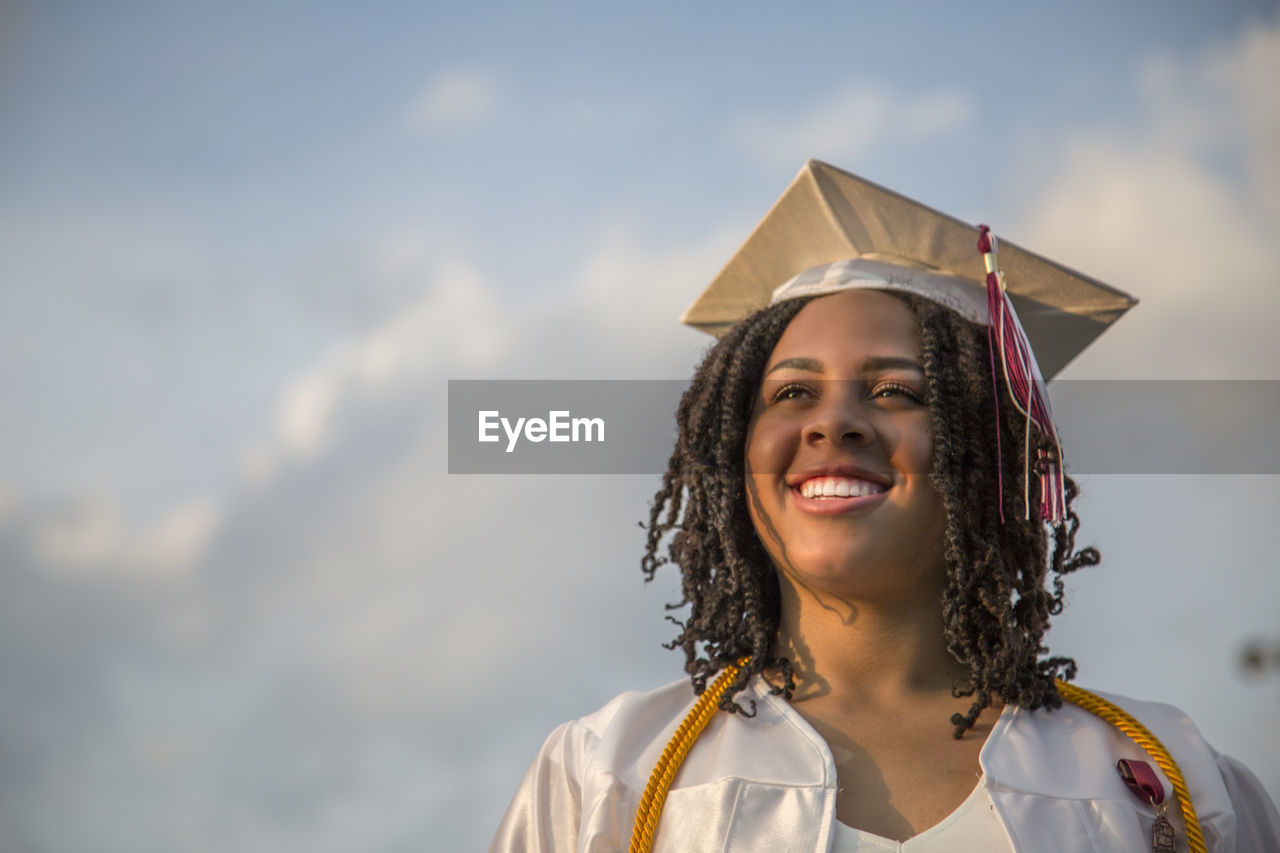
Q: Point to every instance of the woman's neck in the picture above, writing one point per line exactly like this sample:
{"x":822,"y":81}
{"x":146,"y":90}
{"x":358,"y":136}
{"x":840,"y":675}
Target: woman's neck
{"x":864,"y":652}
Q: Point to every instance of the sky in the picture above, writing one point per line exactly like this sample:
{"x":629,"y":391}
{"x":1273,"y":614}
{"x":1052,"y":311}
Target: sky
{"x":244,"y":247}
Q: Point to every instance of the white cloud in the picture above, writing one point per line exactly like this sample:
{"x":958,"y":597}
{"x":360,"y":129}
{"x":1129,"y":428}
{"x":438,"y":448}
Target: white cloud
{"x":76,"y":534}
{"x":629,"y":295}
{"x":1243,"y":75}
{"x":624,"y":289}
{"x":851,"y":122}
{"x":455,"y":100}
{"x":178,"y":539}
{"x":92,"y":535}
{"x":1223,"y":100}
{"x":1152,"y":210}
{"x":456,"y":323}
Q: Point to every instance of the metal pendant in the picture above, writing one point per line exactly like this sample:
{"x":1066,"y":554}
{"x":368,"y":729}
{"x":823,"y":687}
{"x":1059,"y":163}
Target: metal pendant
{"x":1162,"y":834}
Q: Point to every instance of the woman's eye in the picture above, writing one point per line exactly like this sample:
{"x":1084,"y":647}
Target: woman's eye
{"x":790,"y":391}
{"x":886,"y":390}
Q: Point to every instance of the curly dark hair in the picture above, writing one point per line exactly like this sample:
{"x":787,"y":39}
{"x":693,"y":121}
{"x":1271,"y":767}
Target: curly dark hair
{"x":998,"y":596}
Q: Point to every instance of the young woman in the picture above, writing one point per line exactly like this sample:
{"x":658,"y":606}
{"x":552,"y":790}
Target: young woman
{"x":857,"y":502}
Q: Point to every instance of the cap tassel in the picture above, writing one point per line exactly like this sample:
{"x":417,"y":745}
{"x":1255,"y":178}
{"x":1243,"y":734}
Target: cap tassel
{"x":1026,"y":389}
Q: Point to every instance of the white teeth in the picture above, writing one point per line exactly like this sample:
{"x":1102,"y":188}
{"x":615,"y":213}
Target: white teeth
{"x":839,"y":487}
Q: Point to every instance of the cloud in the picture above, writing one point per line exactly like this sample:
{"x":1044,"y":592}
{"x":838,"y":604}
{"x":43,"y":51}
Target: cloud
{"x":93,"y":535}
{"x":179,"y":538}
{"x":455,"y":100}
{"x":1223,"y":101}
{"x":625,"y":301}
{"x":458,"y":324}
{"x":455,"y":322}
{"x":851,"y":122}
{"x":1179,"y":208}
{"x":79,"y":533}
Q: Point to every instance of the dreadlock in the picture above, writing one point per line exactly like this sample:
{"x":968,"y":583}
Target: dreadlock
{"x":998,"y":596}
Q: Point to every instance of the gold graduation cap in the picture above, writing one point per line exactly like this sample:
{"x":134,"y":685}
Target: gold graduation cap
{"x":891,"y":242}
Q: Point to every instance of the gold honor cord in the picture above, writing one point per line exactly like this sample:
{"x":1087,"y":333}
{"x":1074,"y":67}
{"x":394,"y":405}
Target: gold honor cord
{"x":655,"y":793}
{"x":664,"y":773}
{"x":1117,"y":717}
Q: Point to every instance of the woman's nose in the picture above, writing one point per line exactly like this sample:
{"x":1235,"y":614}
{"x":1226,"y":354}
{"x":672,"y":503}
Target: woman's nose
{"x":841,"y":417}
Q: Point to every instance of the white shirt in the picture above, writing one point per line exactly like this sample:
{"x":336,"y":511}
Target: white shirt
{"x":768,"y":782}
{"x":973,"y":826}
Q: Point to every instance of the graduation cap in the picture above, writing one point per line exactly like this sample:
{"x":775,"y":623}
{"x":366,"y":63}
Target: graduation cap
{"x":833,"y":231}
{"x":828,"y":215}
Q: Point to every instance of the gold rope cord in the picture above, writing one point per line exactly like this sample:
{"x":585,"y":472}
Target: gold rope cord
{"x":1117,"y":717}
{"x":655,"y":793}
{"x":664,"y":773}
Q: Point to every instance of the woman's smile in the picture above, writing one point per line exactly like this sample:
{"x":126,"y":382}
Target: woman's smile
{"x":837,"y":490}
{"x":839,"y":487}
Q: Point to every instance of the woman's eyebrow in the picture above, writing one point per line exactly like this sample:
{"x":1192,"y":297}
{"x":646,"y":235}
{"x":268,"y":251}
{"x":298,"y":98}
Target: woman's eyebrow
{"x":892,"y":363}
{"x":810,"y":364}
{"x":873,"y":364}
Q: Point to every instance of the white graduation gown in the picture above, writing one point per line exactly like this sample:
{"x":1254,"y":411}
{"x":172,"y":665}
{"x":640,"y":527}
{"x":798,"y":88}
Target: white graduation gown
{"x":768,"y":783}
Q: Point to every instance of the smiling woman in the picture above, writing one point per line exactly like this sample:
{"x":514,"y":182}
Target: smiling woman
{"x":867,"y":582}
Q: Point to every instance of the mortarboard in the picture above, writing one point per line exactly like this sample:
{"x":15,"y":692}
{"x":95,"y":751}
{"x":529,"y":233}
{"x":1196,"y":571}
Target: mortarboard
{"x":833,"y":231}
{"x":828,"y":215}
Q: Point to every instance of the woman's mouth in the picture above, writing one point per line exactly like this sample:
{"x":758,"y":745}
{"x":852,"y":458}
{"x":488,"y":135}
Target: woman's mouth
{"x":839,"y":487}
{"x":831,"y":495}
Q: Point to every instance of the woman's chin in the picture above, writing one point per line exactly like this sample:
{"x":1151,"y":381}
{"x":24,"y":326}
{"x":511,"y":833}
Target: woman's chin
{"x":837,"y":578}
{"x":861,"y":579}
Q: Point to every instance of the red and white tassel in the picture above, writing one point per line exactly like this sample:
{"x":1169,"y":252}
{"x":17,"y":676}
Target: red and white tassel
{"x":1026,"y":389}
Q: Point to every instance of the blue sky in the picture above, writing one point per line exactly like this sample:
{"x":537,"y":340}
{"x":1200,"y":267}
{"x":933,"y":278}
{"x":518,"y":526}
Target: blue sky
{"x":243,"y":248}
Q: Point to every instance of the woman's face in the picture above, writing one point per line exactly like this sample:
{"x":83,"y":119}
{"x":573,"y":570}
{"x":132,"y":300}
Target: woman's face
{"x":839,"y":450}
